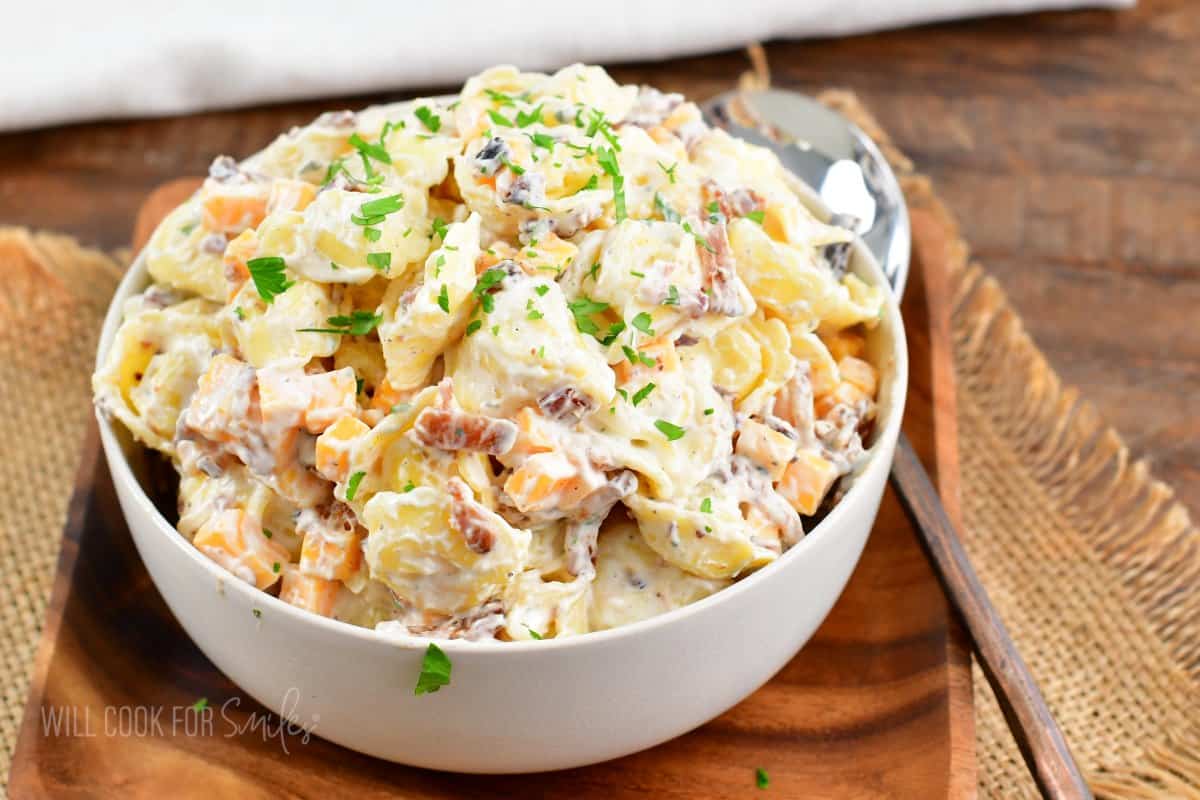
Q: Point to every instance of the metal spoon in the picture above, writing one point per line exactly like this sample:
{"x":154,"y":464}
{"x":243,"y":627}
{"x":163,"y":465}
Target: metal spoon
{"x":848,"y":172}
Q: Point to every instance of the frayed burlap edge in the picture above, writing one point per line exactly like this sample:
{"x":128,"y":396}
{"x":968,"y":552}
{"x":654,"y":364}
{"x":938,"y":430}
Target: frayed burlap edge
{"x":1129,"y":525}
{"x":53,"y":294}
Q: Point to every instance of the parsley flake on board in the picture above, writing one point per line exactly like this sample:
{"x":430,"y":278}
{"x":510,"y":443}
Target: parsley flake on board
{"x":669,"y":429}
{"x":435,"y":671}
{"x":268,"y":276}
{"x":352,"y":484}
{"x":429,"y":119}
{"x":761,"y":779}
{"x":200,"y":704}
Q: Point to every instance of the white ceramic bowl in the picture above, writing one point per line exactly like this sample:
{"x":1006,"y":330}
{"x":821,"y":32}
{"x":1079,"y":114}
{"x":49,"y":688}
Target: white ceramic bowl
{"x":516,"y":707}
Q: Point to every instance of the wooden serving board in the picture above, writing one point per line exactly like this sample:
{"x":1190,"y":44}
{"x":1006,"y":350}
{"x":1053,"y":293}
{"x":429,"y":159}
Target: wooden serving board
{"x":878,"y":704}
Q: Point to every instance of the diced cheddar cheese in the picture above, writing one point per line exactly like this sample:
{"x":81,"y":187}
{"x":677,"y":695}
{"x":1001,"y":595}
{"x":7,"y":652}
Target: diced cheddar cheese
{"x":308,"y":592}
{"x":290,"y":195}
{"x":533,"y":433}
{"x":235,"y":540}
{"x":844,"y":343}
{"x":547,"y":480}
{"x":806,"y":480}
{"x":859,"y":373}
{"x":335,"y":557}
{"x":333,"y":447}
{"x":237,"y":253}
{"x":233,"y":213}
{"x":767,"y":448}
{"x":846,"y":393}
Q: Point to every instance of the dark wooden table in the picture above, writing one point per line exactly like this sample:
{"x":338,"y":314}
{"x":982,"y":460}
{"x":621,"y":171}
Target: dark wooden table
{"x":1068,"y":144}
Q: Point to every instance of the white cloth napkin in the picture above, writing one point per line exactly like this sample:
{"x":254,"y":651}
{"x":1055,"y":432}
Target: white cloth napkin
{"x":85,"y":59}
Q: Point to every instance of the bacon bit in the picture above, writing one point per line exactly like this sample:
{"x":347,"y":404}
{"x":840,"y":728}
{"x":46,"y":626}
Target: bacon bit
{"x":447,"y":427}
{"x":597,"y":504}
{"x":717,"y":264}
{"x":737,"y":203}
{"x":469,"y":518}
{"x":566,"y":405}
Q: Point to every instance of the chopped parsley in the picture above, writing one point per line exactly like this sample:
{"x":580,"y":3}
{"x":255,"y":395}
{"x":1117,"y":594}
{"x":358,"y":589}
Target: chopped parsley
{"x":380,"y":261}
{"x":473,"y":326}
{"x":642,"y":393}
{"x":443,"y":300}
{"x":614,"y":331}
{"x":429,"y":119}
{"x":359,"y":383}
{"x":542,"y":140}
{"x":669,"y":214}
{"x":489,"y":279}
{"x":642,"y":322}
{"x":257,"y":614}
{"x":715,"y":215}
{"x":755,"y":216}
{"x":379,"y":208}
{"x":706,"y":505}
{"x":200,"y":704}
{"x":672,"y":296}
{"x":499,"y":119}
{"x":237,"y":312}
{"x":592,"y":183}
{"x":267,"y":533}
{"x":275,"y":568}
{"x":372,"y":234}
{"x":700,"y":240}
{"x":636,"y":356}
{"x":408,"y":487}
{"x":500,"y":97}
{"x":435,"y":671}
{"x":669,"y":430}
{"x":186,"y":229}
{"x":369,"y":149}
{"x":525,"y":119}
{"x":761,"y":779}
{"x":583,"y":309}
{"x":593,"y":271}
{"x":358,"y":323}
{"x":516,"y":169}
{"x":669,"y":170}
{"x":541,"y":290}
{"x":439,"y":228}
{"x":268,"y":276}
{"x":355,"y":480}
{"x":533,"y":633}
{"x":608,"y":162}
{"x":708,"y":412}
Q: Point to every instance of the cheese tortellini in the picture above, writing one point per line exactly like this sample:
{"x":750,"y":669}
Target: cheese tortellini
{"x":548,"y":357}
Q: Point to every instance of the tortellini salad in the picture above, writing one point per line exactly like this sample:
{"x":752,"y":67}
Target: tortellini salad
{"x":547,"y":357}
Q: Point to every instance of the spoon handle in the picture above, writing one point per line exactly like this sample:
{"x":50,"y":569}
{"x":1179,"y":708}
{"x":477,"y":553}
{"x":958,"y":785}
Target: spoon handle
{"x":1037,"y":734}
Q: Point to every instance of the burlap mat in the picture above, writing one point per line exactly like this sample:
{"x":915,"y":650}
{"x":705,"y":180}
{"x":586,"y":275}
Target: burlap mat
{"x":1091,"y":561}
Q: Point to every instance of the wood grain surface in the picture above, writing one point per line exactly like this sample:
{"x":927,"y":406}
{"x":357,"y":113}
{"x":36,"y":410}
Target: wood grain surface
{"x":878,"y":704}
{"x":1066,"y":143}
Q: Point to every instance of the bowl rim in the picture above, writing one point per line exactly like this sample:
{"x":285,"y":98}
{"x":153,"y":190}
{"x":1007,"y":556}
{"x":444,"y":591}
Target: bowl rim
{"x":137,"y":276}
